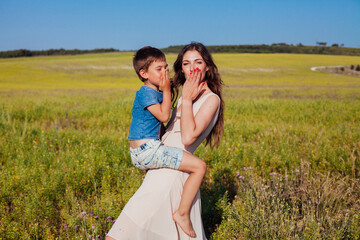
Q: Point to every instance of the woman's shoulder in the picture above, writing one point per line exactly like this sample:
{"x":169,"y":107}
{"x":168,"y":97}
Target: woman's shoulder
{"x":209,"y":97}
{"x":207,"y":102}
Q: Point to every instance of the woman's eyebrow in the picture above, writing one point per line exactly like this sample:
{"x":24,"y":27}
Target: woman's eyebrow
{"x":198,"y":59}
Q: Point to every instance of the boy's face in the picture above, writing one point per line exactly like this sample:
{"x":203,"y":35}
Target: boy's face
{"x":155,"y":71}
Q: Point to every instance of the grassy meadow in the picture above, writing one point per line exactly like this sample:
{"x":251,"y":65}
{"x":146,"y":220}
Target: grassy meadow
{"x":288,"y":166}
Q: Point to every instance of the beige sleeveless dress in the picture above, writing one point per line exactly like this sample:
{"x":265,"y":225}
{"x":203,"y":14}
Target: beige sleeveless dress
{"x":148,"y":214}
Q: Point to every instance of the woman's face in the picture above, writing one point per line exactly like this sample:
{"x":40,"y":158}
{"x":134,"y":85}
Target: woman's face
{"x":192,"y":60}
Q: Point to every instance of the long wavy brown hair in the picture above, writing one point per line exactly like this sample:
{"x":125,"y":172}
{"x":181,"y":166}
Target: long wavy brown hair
{"x":213,"y":79}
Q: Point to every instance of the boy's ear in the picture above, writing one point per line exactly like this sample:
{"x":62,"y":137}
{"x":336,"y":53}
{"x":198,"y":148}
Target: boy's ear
{"x":143,"y":74}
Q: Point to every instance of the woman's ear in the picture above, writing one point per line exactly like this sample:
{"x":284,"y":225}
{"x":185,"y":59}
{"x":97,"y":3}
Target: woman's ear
{"x":143,"y":74}
{"x":206,"y":69}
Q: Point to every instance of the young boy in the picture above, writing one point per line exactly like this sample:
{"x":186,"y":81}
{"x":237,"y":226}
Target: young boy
{"x":150,"y":109}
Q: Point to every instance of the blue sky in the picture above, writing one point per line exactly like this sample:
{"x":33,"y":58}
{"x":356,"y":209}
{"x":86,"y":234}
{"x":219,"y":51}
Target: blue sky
{"x":129,"y":25}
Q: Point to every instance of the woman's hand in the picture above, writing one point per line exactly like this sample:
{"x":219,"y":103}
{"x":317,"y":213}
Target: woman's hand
{"x":192,"y":86}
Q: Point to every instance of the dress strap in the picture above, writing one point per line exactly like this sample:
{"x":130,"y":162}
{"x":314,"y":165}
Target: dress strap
{"x":199,"y":103}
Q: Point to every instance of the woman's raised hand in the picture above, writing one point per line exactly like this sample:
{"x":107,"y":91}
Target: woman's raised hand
{"x":192,"y":86}
{"x":164,"y":83}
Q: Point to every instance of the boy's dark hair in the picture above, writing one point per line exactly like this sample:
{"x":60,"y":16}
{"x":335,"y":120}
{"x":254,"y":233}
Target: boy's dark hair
{"x":144,"y":57}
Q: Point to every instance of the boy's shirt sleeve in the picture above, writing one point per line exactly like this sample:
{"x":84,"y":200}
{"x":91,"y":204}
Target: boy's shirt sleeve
{"x":148,"y":97}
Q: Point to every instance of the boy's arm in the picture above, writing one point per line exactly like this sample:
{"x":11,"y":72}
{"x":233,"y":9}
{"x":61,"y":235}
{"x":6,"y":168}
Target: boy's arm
{"x":162,"y":111}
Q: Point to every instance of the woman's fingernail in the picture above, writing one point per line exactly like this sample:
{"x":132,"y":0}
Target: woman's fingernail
{"x":203,"y":83}
{"x":190,"y":73}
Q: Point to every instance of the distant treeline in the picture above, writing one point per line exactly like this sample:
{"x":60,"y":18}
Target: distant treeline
{"x":275,"y":48}
{"x":51,"y":52}
{"x":335,"y":49}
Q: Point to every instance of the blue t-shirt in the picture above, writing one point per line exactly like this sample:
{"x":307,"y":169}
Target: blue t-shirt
{"x":144,"y":125}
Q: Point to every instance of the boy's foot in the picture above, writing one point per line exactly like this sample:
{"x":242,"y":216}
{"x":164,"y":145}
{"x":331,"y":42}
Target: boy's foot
{"x":185,"y":223}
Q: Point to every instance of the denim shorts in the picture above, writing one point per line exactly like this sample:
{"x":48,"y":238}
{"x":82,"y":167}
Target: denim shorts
{"x":154,"y":154}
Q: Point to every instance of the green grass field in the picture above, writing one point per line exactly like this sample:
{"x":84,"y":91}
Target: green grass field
{"x":288,"y":166}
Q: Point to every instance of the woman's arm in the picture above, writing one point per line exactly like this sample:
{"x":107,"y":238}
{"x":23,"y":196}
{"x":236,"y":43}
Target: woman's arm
{"x":191,"y":127}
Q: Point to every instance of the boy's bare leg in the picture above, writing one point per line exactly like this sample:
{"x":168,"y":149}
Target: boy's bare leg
{"x":197,"y":168}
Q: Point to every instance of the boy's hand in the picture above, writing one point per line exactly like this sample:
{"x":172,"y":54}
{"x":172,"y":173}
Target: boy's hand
{"x":165,"y":81}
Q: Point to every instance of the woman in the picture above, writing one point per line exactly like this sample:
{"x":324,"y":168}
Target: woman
{"x":198,"y":115}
